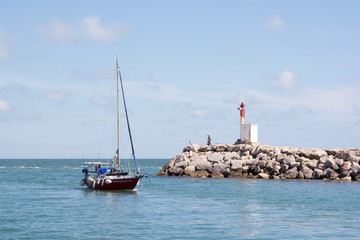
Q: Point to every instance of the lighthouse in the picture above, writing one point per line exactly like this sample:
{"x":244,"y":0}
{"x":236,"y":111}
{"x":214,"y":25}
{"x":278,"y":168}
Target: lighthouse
{"x":248,"y":132}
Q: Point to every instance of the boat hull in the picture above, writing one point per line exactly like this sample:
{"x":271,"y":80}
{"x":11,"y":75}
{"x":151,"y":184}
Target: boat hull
{"x":116,"y":184}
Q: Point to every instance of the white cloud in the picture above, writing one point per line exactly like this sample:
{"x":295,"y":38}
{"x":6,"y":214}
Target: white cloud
{"x":4,"y":106}
{"x":285,"y":80}
{"x":57,"y":94}
{"x":5,"y":46}
{"x":94,"y":29}
{"x":99,"y":100}
{"x":276,"y":23}
{"x":88,"y":29}
{"x":59,"y":31}
{"x":199,"y":113}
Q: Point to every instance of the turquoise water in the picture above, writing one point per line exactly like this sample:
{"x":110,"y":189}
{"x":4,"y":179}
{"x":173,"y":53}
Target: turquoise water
{"x":42,"y":199}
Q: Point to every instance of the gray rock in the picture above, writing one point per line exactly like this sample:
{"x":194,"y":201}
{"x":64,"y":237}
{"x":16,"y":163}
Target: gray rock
{"x":312,"y":164}
{"x":355,"y":167}
{"x":339,"y":162}
{"x":189,"y":170}
{"x":289,"y":160}
{"x":215,"y":157}
{"x":236,"y":164}
{"x":345,"y":167}
{"x":204,"y":166}
{"x":200,"y":174}
{"x":216,"y":174}
{"x":300,"y":175}
{"x":261,"y":163}
{"x":344,"y":174}
{"x":329,"y":173}
{"x":221,"y":167}
{"x":308,"y":173}
{"x":230,"y":148}
{"x":284,"y":168}
{"x":219,"y":147}
{"x":317,"y":173}
{"x":237,"y":148}
{"x":204,"y":148}
{"x":332,"y":164}
{"x":175,"y":171}
{"x":257,"y":170}
{"x":291,"y":173}
{"x":295,"y":165}
{"x":231,"y":155}
{"x":235,"y":174}
{"x":182,"y":164}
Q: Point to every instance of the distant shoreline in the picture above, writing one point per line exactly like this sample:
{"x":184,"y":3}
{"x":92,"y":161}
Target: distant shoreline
{"x":263,"y":161}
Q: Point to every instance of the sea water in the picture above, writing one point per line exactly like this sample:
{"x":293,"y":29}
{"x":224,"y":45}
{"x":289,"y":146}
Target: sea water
{"x":42,"y":199}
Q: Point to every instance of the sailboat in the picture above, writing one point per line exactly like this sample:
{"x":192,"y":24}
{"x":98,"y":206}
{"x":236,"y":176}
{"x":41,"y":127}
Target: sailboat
{"x":110,"y":176}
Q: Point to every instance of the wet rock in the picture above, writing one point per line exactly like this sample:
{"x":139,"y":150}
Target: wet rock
{"x":175,"y":171}
{"x":235,"y":174}
{"x":200,"y":174}
{"x":216,"y":174}
{"x":346,"y":179}
{"x":263,"y":175}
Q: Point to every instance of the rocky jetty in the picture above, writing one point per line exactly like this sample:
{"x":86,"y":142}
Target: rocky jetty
{"x":262,"y":161}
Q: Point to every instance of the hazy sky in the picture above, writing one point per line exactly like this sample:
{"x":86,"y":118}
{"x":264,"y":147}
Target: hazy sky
{"x":186,"y":66}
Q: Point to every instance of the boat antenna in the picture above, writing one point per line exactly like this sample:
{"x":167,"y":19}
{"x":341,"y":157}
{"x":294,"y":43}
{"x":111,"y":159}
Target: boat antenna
{"x":127,"y":119}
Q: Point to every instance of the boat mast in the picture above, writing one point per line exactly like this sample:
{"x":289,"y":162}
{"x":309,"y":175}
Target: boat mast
{"x":118,"y":114}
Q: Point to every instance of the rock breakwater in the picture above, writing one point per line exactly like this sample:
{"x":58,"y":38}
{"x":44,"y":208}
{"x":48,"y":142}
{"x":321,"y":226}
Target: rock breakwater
{"x":263,"y":161}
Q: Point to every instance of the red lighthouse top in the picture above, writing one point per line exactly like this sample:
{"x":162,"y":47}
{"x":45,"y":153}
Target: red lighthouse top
{"x":242,"y":110}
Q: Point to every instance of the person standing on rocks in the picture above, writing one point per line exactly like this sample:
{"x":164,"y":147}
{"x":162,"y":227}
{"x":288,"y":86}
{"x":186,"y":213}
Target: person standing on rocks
{"x":209,"y":140}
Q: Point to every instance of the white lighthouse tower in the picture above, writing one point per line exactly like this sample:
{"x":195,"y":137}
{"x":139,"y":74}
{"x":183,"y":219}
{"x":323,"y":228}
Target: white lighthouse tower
{"x":248,"y":132}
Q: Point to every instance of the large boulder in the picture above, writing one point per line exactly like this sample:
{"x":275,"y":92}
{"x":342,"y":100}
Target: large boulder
{"x":182,"y":164}
{"x":204,"y":165}
{"x":216,"y":174}
{"x":189,"y":170}
{"x":291,"y":173}
{"x":215,"y":157}
{"x":346,"y":166}
{"x":289,"y":160}
{"x":312,"y":164}
{"x":236,"y":164}
{"x":221,"y":167}
{"x":317,"y":173}
{"x":307,"y":172}
{"x":231,"y":155}
{"x":175,"y":171}
{"x":263,"y":175}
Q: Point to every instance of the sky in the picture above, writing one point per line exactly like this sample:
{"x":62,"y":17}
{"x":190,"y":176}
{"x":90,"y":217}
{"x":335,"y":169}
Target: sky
{"x":186,"y":67}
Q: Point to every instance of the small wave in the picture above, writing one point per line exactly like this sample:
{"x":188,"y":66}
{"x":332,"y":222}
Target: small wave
{"x":30,"y":167}
{"x":2,"y":167}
